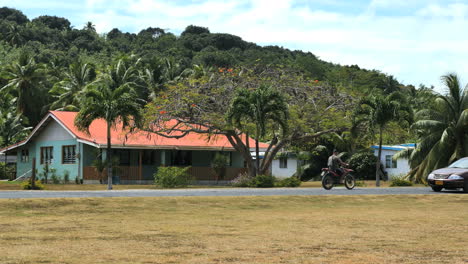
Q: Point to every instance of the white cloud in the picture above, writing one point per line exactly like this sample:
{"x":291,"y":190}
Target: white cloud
{"x":455,"y":10}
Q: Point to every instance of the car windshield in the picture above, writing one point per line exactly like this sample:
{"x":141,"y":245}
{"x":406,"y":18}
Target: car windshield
{"x":463,"y":164}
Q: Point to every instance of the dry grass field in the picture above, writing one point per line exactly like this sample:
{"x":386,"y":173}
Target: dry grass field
{"x":6,"y":185}
{"x":365,"y":184}
{"x":311,"y":229}
{"x":12,"y":186}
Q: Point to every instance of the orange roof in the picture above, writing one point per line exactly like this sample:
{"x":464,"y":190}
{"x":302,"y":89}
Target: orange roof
{"x":141,"y":139}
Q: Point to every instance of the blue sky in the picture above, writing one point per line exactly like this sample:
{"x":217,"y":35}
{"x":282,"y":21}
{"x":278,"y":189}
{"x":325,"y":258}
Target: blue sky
{"x":417,"y":41}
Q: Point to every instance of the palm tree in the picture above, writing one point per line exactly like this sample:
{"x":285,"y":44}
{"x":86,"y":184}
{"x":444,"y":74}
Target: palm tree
{"x":24,"y":82}
{"x":113,"y":99}
{"x":14,"y":35}
{"x":152,"y":76}
{"x":90,"y":26}
{"x":70,"y":91}
{"x":420,"y":97}
{"x":259,"y":107}
{"x":11,"y":127}
{"x":442,"y":131}
{"x":377,"y":111}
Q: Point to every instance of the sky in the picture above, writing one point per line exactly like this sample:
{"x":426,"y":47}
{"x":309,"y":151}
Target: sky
{"x":416,"y":41}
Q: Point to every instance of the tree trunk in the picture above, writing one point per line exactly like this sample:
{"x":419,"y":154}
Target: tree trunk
{"x":5,"y":168}
{"x":257,"y":150}
{"x":250,"y":164}
{"x":270,"y":154}
{"x":377,"y":166}
{"x":240,"y":146}
{"x":46,"y":172}
{"x":244,"y":150}
{"x":257,"y":153}
{"x":33,"y":174}
{"x":109,"y":158}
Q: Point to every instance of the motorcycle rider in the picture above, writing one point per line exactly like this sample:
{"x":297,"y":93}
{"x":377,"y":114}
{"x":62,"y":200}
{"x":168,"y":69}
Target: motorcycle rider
{"x":334,"y":163}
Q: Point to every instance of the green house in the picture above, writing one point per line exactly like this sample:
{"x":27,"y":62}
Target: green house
{"x":57,"y":145}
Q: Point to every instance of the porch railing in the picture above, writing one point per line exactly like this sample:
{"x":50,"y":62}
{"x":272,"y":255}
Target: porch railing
{"x":133,"y":173}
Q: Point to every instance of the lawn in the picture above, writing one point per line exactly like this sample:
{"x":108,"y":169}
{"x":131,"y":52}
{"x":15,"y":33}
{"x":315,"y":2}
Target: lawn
{"x":307,"y":229}
{"x":361,"y":184}
{"x":12,"y":185}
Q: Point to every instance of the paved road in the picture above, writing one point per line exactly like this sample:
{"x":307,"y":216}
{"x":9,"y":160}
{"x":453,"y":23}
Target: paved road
{"x":217,"y":192}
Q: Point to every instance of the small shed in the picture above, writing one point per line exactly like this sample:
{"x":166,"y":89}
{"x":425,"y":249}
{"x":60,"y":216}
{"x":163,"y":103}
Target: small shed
{"x":391,"y":166}
{"x":285,"y":165}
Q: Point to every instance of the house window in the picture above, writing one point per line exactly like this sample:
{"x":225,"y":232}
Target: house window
{"x":229,"y":159}
{"x":283,"y":163}
{"x":389,"y":162}
{"x":227,"y":155}
{"x":69,"y":154}
{"x":25,"y":155}
{"x":47,"y":155}
{"x":149,"y":157}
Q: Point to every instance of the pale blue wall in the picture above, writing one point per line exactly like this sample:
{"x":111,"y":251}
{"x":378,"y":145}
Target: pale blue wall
{"x":34,"y":152}
{"x":57,"y":160}
{"x":23,"y":167}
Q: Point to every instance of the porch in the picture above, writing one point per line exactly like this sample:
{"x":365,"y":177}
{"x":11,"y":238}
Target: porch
{"x":136,"y":175}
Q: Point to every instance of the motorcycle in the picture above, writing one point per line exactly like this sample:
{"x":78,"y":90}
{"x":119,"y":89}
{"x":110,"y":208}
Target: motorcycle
{"x":331,"y":178}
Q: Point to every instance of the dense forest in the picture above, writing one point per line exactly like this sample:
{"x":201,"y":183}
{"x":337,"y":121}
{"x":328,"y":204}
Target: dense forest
{"x":46,"y":64}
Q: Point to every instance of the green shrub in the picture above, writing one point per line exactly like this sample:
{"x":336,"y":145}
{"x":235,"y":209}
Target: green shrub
{"x":243,"y":180}
{"x":54,"y":177}
{"x":315,"y":160}
{"x":289,"y":182}
{"x":66,"y":176}
{"x":263,"y":181}
{"x":26,"y":185}
{"x":219,"y":163}
{"x":400,"y":181}
{"x":6,"y":172}
{"x":363,"y":163}
{"x":172,"y":177}
{"x":78,"y":180}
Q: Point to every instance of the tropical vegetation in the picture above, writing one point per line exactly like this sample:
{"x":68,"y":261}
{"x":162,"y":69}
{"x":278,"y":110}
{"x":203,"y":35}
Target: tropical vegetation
{"x":442,"y":131}
{"x":221,"y":85}
{"x":111,"y":98}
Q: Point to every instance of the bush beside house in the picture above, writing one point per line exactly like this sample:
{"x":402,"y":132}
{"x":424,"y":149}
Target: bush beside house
{"x":363,"y":163}
{"x":172,"y":177}
{"x":264,"y":181}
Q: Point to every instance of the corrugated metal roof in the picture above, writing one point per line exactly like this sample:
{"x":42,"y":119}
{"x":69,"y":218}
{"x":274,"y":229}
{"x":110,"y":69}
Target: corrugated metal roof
{"x":137,"y":139}
{"x":395,"y":147}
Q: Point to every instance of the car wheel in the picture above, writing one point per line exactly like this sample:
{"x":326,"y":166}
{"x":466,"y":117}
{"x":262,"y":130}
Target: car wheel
{"x":465,"y":186}
{"x":436,"y":188}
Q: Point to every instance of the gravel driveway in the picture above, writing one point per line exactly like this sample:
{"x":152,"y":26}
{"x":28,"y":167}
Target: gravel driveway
{"x":218,"y":192}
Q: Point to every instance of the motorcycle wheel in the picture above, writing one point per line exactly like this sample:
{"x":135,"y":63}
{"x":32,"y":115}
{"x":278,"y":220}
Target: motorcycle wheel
{"x":349,"y":182}
{"x":327,"y":182}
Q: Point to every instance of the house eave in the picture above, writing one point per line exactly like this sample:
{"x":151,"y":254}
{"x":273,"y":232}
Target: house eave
{"x":39,"y":127}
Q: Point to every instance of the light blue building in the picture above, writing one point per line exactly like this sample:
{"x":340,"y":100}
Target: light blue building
{"x":55,"y":143}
